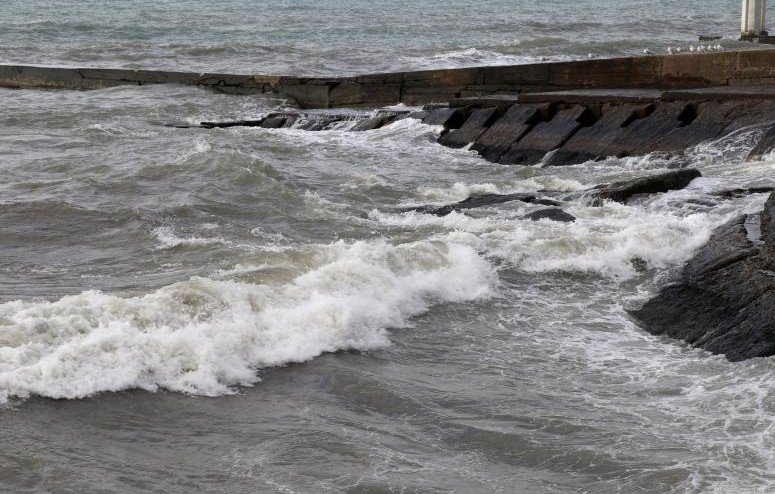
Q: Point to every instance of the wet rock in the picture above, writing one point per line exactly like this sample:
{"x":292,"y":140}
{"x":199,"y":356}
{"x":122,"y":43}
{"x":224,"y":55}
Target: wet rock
{"x":449,"y":118}
{"x":547,"y":136}
{"x":724,"y":300}
{"x":591,"y":143}
{"x":374,"y":123}
{"x":554,"y":214}
{"x":517,"y":120}
{"x":474,"y":126}
{"x":277,"y":122}
{"x":234,"y":123}
{"x":623,"y":191}
{"x":745,"y":191}
{"x":479,"y":201}
{"x":765,"y":145}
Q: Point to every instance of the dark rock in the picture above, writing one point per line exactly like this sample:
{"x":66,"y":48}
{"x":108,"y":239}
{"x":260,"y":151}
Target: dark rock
{"x":274,"y":122}
{"x":474,"y":126}
{"x":724,"y":300}
{"x":319,"y":122}
{"x":235,"y":123}
{"x":507,"y":130}
{"x":765,"y":145}
{"x":740,"y":192}
{"x":591,"y":143}
{"x":450,"y":118}
{"x":373,"y":123}
{"x":484,"y":200}
{"x":554,"y":214}
{"x":547,"y":136}
{"x":623,"y":191}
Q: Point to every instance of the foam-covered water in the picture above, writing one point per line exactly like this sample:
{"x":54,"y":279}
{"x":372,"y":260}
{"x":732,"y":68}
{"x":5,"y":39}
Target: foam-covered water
{"x":248,"y":310}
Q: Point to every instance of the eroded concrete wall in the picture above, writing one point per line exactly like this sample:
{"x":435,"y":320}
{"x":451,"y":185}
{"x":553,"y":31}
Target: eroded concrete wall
{"x":419,"y":87}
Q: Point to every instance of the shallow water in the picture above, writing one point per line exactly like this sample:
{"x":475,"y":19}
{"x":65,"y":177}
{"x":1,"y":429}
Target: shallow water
{"x":246,"y":310}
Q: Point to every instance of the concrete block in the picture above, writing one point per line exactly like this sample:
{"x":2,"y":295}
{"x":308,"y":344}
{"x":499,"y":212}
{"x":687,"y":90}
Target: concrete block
{"x":509,"y":128}
{"x":450,"y":118}
{"x":548,"y":136}
{"x":591,"y":142}
{"x":639,"y":137}
{"x":355,"y":94}
{"x":476,"y":124}
{"x":711,"y":120}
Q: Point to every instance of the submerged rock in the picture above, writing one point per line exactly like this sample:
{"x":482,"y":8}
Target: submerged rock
{"x":624,"y":191}
{"x":554,"y":214}
{"x":479,"y":201}
{"x":724,"y":301}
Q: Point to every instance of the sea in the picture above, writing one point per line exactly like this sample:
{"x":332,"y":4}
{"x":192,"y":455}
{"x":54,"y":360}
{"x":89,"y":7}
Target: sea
{"x":246,"y":310}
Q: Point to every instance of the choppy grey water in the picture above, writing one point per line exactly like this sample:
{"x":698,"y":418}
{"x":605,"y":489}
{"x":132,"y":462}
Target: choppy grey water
{"x":245,"y":310}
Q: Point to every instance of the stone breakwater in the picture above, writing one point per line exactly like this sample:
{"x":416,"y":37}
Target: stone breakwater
{"x":421,"y":87}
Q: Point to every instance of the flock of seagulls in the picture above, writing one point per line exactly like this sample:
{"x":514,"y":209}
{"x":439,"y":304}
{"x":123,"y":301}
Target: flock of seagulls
{"x":673,"y":50}
{"x":691,"y":49}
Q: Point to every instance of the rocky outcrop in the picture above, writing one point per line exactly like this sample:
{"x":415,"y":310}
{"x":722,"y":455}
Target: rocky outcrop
{"x":654,"y":184}
{"x":724,"y":301}
{"x":554,"y":214}
{"x":619,"y":192}
{"x":483,"y":200}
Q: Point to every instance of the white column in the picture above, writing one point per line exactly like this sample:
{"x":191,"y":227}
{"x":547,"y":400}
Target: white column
{"x":753,"y":18}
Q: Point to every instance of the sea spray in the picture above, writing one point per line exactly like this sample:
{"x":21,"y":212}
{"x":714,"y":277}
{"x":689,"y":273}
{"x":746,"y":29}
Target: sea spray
{"x":203,"y":336}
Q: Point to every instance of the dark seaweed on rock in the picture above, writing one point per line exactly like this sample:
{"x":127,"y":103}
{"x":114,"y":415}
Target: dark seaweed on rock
{"x":724,"y":301}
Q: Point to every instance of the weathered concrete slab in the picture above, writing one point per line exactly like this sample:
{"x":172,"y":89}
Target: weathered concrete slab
{"x":638,"y":138}
{"x":591,"y":143}
{"x":547,"y":136}
{"x":711,"y":120}
{"x":685,"y":71}
{"x":450,"y":118}
{"x":723,"y":93}
{"x":509,"y":128}
{"x":497,"y":100}
{"x":476,"y":125}
{"x":593,"y":96}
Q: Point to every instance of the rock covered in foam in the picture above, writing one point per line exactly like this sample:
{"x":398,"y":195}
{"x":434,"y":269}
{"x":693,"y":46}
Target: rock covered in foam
{"x":724,"y":301}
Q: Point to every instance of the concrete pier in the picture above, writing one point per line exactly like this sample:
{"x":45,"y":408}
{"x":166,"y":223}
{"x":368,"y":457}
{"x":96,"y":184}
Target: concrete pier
{"x":684,"y":71}
{"x":753,"y":20}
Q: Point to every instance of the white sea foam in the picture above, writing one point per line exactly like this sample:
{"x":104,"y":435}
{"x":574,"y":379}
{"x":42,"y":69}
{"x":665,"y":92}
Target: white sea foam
{"x":203,"y":336}
{"x":168,"y":239}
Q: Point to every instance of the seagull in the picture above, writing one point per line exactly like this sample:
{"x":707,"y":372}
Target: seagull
{"x":719,"y":48}
{"x":678,"y":50}
{"x":670,"y":50}
{"x":692,"y":49}
{"x":590,"y":56}
{"x":647,"y":52}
